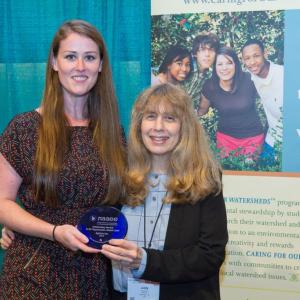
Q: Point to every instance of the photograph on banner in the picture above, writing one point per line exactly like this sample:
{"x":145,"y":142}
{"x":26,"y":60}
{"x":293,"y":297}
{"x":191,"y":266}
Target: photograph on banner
{"x":231,"y":64}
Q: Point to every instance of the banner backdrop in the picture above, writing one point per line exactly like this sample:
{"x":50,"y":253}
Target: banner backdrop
{"x":262,"y":195}
{"x":263,"y":252}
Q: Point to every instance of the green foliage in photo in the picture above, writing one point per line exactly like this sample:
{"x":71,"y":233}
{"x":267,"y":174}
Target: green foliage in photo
{"x":233,"y":29}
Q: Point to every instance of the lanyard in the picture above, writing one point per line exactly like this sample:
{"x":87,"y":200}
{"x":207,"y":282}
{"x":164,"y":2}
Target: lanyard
{"x":159,"y":213}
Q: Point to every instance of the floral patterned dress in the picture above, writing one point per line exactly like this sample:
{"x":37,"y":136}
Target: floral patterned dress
{"x":35,"y":268}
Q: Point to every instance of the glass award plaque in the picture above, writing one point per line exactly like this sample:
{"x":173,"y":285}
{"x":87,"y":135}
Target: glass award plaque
{"x":100,"y":224}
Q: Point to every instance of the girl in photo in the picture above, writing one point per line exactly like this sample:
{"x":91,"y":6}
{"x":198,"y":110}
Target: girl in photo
{"x":232,"y":92}
{"x":175,"y":68}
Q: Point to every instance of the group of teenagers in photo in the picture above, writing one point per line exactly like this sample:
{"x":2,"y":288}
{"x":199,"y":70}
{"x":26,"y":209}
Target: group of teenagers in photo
{"x":70,"y":155}
{"x":213,"y":76}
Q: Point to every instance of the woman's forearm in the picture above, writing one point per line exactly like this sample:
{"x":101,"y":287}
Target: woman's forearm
{"x":18,"y":219}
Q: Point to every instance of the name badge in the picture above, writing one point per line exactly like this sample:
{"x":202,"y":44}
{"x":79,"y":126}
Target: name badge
{"x":140,"y":289}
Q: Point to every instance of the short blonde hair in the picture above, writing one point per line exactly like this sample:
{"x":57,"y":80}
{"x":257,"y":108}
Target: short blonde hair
{"x":193,"y":171}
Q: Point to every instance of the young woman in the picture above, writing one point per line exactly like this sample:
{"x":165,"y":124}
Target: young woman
{"x":60,"y":160}
{"x":175,"y":68}
{"x":233,"y":94}
{"x":177,"y":228}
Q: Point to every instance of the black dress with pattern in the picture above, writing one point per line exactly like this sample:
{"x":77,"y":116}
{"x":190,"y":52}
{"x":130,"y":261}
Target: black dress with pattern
{"x":54,"y":272}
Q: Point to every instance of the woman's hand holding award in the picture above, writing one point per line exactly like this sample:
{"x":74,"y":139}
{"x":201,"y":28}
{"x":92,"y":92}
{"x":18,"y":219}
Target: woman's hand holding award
{"x":100,"y":224}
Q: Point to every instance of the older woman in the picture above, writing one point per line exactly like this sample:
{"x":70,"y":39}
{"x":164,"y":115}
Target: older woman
{"x":177,"y":228}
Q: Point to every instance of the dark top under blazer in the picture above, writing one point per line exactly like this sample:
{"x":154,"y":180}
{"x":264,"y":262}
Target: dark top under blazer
{"x":188,"y":267}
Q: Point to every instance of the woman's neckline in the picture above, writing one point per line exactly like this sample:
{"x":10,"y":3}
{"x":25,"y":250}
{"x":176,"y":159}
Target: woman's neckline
{"x":226,"y":87}
{"x":37,"y":112}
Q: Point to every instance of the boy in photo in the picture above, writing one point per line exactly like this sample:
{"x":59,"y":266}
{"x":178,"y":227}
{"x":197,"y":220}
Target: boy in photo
{"x":268,"y":80}
{"x":204,"y":52}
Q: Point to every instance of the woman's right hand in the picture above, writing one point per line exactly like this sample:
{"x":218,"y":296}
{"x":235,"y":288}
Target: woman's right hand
{"x":6,"y":238}
{"x":67,"y":235}
{"x":71,"y":238}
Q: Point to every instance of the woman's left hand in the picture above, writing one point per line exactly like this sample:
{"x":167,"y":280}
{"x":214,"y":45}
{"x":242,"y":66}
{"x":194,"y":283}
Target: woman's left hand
{"x":7,"y":238}
{"x":125,"y":252}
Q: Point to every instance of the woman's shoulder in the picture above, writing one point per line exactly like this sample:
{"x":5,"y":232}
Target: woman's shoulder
{"x":158,"y":79}
{"x":245,"y":77}
{"x":209,"y":82}
{"x":212,"y":200}
{"x":209,"y":86}
{"x":246,"y":82}
{"x":26,"y":119}
{"x":24,"y":122}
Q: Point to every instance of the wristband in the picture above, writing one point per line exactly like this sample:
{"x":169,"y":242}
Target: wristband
{"x":53,"y":233}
